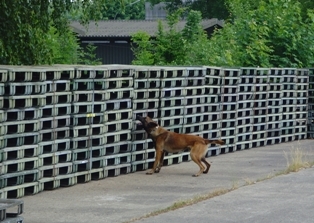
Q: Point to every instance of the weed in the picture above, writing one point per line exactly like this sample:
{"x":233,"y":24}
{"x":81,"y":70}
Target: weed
{"x":296,"y":160}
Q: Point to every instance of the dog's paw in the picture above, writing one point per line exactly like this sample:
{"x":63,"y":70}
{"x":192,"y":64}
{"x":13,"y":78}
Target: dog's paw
{"x":195,"y":175}
{"x":150,"y":172}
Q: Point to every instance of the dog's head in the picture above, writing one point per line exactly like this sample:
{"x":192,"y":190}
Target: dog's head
{"x":148,"y":123}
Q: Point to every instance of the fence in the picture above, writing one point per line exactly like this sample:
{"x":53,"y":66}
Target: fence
{"x":63,"y":125}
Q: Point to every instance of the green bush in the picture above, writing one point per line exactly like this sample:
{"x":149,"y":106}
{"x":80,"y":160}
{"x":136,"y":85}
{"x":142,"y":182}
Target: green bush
{"x":64,"y":47}
{"x":268,"y":33}
{"x":171,"y":46}
{"x":272,"y":34}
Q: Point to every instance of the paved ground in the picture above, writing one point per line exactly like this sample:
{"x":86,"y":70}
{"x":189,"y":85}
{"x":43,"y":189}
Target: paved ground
{"x":286,"y":198}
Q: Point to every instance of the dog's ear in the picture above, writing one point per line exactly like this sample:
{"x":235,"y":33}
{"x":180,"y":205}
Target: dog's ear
{"x":152,"y":125}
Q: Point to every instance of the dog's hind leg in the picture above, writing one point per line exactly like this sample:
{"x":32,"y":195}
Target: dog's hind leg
{"x":196,"y":156}
{"x":207,"y":165}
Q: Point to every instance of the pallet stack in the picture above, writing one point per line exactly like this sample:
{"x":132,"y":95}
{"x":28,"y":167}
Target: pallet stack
{"x":63,"y":125}
{"x":229,"y":103}
{"x":7,"y":215}
{"x":101,"y":122}
{"x":36,"y":141}
{"x":213,"y":108}
{"x":55,"y":166}
{"x":182,"y":104}
{"x":275,"y":107}
{"x":145,"y":103}
{"x":310,"y":126}
{"x":251,"y":108}
{"x":289,"y":104}
{"x":23,"y":98}
{"x":118,"y":120}
{"x":294,"y":103}
{"x":302,"y":112}
{"x":175,"y":98}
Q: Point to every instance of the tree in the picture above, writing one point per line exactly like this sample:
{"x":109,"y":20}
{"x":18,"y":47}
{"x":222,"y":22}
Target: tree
{"x":143,"y":49}
{"x":25,"y":27}
{"x":116,"y":10}
{"x":64,"y":48}
{"x":305,"y":6}
{"x":172,"y":46}
{"x":128,"y":10}
{"x":208,"y":8}
{"x":269,"y":33}
{"x":88,"y":56}
{"x":272,"y":34}
{"x":219,"y":8}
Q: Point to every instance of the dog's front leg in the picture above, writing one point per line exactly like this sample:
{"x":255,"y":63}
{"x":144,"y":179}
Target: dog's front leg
{"x":161,"y":162}
{"x":159,"y":154}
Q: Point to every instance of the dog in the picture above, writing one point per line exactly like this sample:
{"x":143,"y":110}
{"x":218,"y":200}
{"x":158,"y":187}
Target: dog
{"x":172,"y":142}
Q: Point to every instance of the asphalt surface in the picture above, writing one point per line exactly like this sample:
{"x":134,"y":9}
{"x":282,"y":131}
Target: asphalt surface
{"x":287,"y":198}
{"x":284,"y":198}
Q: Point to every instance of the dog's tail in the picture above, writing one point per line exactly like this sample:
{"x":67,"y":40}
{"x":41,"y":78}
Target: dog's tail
{"x":216,"y":141}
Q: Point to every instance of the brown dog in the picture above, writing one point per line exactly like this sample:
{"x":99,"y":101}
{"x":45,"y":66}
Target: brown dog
{"x":173,"y":142}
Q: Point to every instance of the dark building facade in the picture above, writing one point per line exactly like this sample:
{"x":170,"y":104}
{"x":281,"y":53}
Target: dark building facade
{"x":113,"y":37}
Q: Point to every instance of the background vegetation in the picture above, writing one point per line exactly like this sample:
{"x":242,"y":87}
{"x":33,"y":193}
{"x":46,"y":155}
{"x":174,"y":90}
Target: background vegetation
{"x":256,"y":32}
{"x":37,"y":32}
{"x":219,"y":8}
{"x":268,"y":33}
{"x":116,"y":10}
{"x":172,"y":47}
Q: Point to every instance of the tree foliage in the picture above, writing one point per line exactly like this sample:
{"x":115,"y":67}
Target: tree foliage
{"x":27,"y":28}
{"x":128,"y":10}
{"x":171,"y":45}
{"x":87,"y":55}
{"x":115,"y":10}
{"x":272,"y":34}
{"x":63,"y":48}
{"x":143,"y":49}
{"x":220,"y":8}
{"x":208,"y":8}
{"x":268,"y":33}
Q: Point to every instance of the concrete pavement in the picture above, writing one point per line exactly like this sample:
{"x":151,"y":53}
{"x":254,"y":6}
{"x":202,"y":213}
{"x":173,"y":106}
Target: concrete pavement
{"x":286,"y":198}
{"x":130,"y":196}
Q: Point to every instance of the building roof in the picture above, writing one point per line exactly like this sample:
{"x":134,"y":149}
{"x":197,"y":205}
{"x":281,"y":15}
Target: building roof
{"x":125,"y":28}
